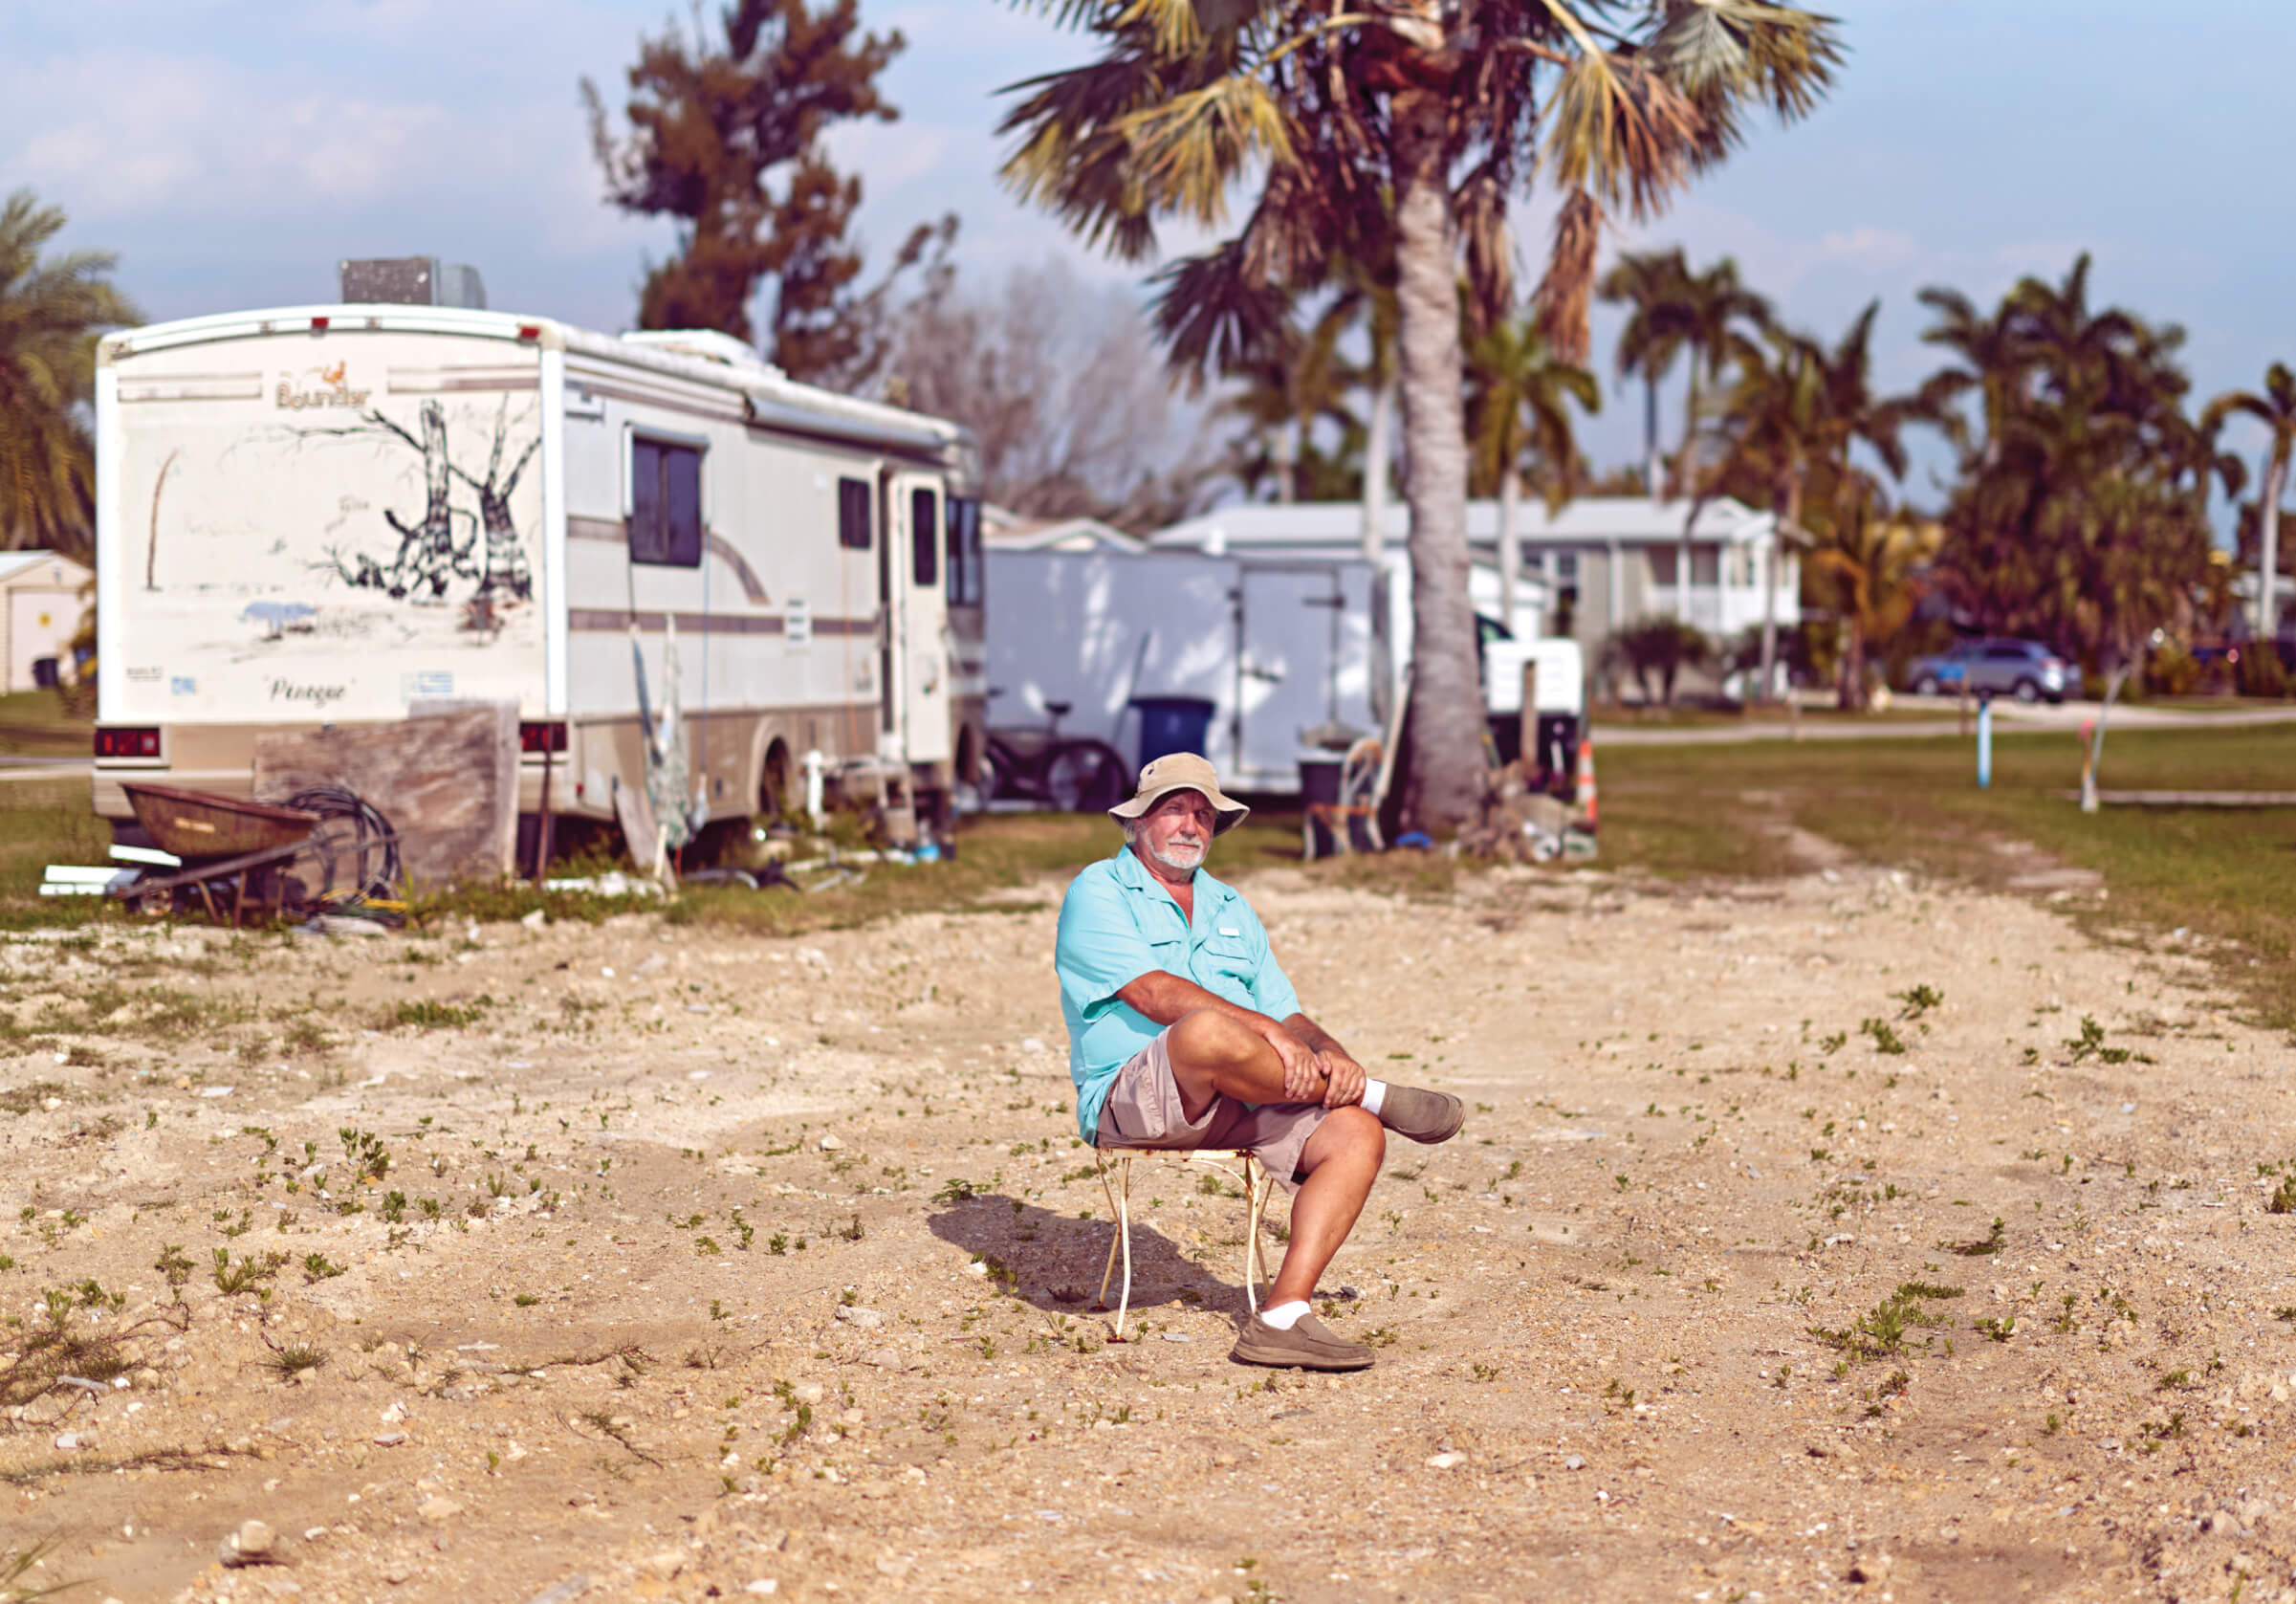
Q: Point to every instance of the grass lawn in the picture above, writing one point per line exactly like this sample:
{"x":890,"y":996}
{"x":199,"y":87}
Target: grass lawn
{"x":2228,"y":873}
{"x":1680,"y":812}
{"x":34,"y":723}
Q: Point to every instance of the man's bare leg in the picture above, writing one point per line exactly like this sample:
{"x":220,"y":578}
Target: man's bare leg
{"x":1342,"y":1160}
{"x":1212,"y":1054}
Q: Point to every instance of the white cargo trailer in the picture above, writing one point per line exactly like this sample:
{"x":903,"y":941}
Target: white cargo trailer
{"x":1284,"y":649}
{"x":1279,"y":650}
{"x":325,"y":513}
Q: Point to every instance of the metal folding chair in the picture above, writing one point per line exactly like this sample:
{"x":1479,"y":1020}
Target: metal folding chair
{"x":1249,"y":1173}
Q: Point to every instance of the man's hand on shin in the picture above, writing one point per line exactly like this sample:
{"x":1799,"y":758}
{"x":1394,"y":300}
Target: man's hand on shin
{"x":1346,"y":1087}
{"x":1303,"y":1072}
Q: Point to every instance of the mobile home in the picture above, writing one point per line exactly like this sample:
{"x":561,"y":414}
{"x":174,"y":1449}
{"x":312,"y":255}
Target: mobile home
{"x":326,"y":513}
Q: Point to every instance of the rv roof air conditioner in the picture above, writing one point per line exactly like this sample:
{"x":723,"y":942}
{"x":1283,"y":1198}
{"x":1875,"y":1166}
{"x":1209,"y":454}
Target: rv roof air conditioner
{"x":410,"y":281}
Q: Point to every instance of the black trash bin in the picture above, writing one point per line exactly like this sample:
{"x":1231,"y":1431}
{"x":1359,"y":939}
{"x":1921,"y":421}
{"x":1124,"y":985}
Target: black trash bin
{"x":44,"y":674}
{"x":1169,"y":724}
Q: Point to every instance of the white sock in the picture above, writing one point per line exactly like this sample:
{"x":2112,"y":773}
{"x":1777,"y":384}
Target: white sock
{"x":1284,"y":1316}
{"x":1375,"y":1092}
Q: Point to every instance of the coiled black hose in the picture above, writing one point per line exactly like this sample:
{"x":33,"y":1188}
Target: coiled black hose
{"x":370,"y":841}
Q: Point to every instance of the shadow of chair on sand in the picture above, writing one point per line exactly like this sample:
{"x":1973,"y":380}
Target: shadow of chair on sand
{"x":1054,"y":1261}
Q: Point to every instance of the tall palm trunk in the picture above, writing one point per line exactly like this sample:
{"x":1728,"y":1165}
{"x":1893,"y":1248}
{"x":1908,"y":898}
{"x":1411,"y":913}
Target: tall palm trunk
{"x":1654,"y":466}
{"x":1376,"y":453}
{"x":1785,"y":507}
{"x":1686,"y":462}
{"x":2267,"y":567}
{"x":1443,"y":732}
{"x":1510,"y":551}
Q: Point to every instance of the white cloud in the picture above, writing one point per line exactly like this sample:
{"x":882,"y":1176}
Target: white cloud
{"x":142,"y":134}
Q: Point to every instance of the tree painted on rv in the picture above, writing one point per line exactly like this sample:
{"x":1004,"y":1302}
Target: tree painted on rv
{"x":429,"y":557}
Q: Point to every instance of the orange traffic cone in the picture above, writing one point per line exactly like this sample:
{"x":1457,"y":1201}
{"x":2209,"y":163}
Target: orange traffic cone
{"x":1585,"y":784}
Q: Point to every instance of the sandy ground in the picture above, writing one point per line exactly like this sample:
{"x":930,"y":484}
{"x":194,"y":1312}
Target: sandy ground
{"x":725,"y":1266}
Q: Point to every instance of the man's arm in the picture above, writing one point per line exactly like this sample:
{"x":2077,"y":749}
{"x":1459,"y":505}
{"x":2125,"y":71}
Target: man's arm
{"x":1166,"y":999}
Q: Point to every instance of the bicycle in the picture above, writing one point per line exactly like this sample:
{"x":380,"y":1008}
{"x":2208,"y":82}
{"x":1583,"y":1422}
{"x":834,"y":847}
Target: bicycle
{"x":1073,"y":774}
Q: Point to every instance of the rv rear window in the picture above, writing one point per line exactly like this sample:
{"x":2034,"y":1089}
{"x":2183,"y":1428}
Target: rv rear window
{"x":665,"y":503}
{"x":853,"y":514}
{"x":925,"y":536}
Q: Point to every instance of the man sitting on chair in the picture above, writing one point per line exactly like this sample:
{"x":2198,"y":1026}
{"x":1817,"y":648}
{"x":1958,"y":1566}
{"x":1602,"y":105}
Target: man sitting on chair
{"x":1184,"y":1033}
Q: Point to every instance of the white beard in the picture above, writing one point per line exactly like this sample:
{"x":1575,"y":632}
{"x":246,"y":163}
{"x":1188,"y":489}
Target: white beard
{"x":1179,"y":859}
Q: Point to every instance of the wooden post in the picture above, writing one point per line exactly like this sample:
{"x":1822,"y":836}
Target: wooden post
{"x":542,"y":824}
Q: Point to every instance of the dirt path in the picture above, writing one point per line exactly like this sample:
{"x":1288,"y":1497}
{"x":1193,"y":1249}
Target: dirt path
{"x":709,"y":1266}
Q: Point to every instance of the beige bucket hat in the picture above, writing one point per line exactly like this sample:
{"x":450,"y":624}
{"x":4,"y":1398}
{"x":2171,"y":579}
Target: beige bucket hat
{"x":1182,"y":771}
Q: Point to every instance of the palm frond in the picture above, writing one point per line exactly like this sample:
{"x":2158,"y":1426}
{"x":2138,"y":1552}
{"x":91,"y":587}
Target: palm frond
{"x":1186,"y":152}
{"x":1620,"y":130}
{"x":1481,"y":208}
{"x":1215,"y":315}
{"x":1563,"y":294}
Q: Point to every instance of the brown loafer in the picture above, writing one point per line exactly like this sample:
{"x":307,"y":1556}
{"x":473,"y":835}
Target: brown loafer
{"x":1424,"y":1116}
{"x":1309,"y":1345}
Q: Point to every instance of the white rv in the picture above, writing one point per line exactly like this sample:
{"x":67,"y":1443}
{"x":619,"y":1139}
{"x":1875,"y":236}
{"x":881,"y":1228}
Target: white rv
{"x":323,"y":513}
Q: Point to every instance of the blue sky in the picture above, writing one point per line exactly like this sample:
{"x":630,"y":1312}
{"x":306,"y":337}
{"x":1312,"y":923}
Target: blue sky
{"x":231,"y":152}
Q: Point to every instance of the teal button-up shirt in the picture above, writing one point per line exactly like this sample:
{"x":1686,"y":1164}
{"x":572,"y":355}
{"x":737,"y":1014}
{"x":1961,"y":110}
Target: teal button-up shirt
{"x":1118,"y":923}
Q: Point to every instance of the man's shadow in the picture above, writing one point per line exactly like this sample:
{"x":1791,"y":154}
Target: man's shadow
{"x":1054,"y":1262}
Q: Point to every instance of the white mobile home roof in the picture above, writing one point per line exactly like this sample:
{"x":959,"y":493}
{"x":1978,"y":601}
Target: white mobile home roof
{"x":1335,"y":528}
{"x":27,"y":566}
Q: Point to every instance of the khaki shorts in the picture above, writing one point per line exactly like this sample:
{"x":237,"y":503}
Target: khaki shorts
{"x":1143,"y":1110}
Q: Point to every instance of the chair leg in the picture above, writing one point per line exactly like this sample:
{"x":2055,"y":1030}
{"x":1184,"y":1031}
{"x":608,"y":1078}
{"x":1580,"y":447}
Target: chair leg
{"x":1256,"y":1184}
{"x":1124,"y":1229}
{"x":1108,"y":1270}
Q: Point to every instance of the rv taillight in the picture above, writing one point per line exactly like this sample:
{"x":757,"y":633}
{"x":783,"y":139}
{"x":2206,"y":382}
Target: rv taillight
{"x":318,"y":325}
{"x":128,"y":743}
{"x":530,"y":331}
{"x":541,"y":737}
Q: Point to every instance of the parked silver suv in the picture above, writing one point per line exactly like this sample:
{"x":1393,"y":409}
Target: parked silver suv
{"x":2026,"y":669}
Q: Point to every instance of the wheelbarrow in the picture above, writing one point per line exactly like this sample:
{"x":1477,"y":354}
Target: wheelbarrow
{"x":228,"y":844}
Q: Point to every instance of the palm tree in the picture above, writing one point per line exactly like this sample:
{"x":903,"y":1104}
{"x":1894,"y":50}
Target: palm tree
{"x":1518,"y":405}
{"x":1997,"y":362}
{"x":1877,"y":560}
{"x":2083,"y":518}
{"x":1769,"y":421}
{"x":1679,"y":314}
{"x":1798,"y":411}
{"x":51,"y":313}
{"x":1415,"y":121}
{"x":1656,"y":285}
{"x":2276,"y":409}
{"x":1718,"y":315}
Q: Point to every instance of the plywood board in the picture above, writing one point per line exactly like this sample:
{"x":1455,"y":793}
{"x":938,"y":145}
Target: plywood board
{"x":447,"y":777}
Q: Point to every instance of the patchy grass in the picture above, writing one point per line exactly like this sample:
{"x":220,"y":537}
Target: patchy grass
{"x":997,"y":856}
{"x":44,"y":822}
{"x":2228,"y":874}
{"x":36,"y":723}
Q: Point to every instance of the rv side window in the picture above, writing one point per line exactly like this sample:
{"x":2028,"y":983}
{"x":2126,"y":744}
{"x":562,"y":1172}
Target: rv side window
{"x":925,"y":536}
{"x":853,"y":514}
{"x":964,"y":551}
{"x":665,"y":503}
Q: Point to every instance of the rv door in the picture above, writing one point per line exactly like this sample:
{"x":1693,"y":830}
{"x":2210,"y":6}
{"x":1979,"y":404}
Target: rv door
{"x":913,"y":558}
